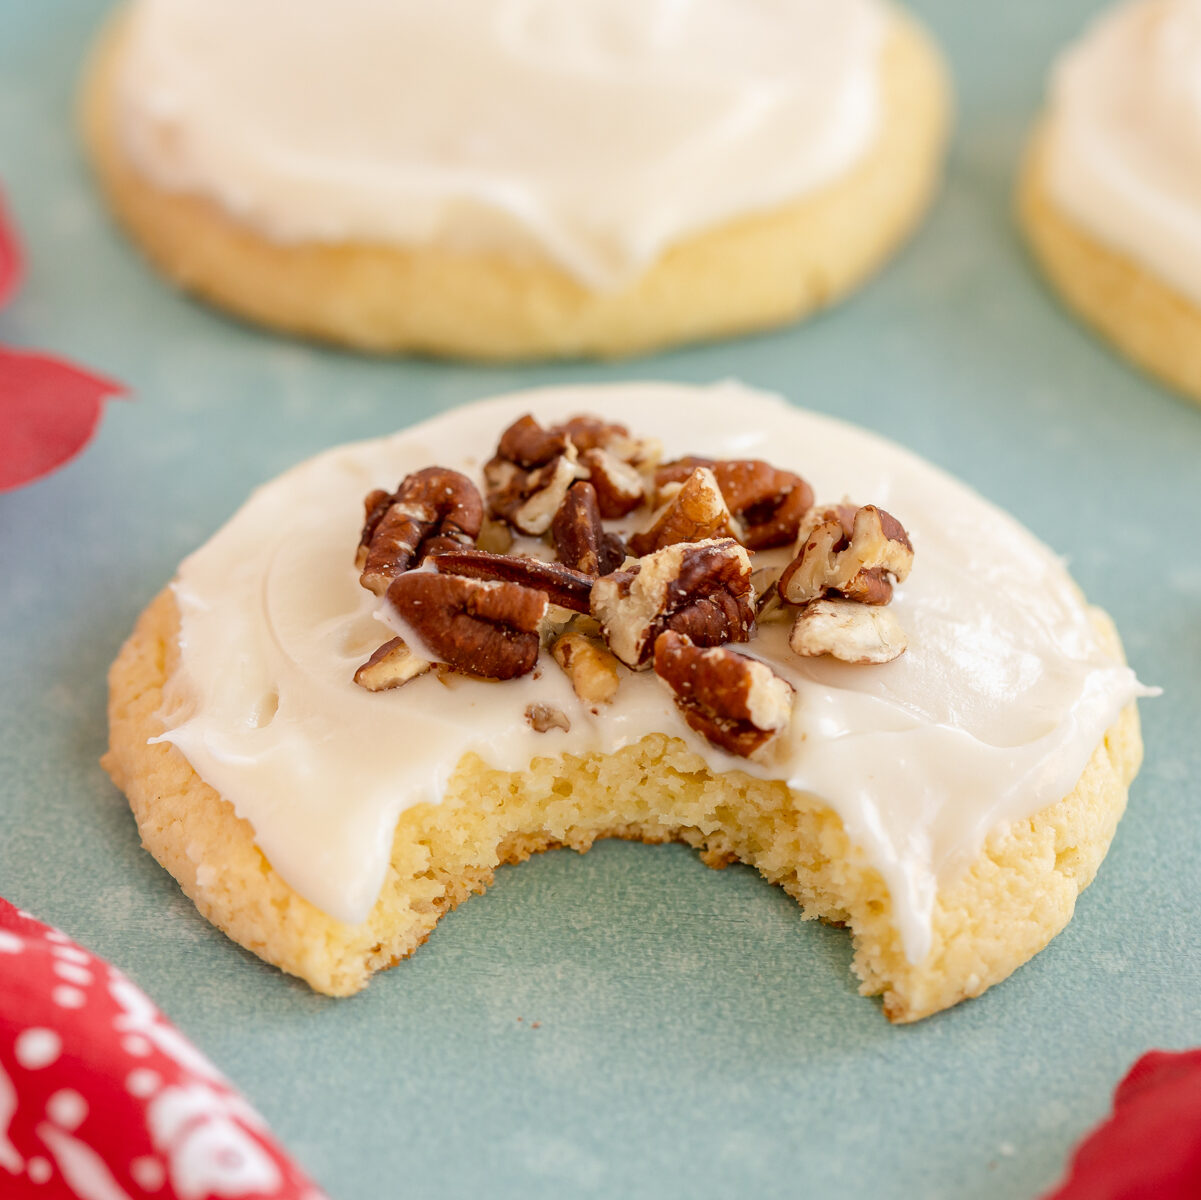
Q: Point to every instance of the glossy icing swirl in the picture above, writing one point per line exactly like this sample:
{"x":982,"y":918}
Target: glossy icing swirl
{"x":1124,"y":139}
{"x":992,"y":713}
{"x":593,"y":134}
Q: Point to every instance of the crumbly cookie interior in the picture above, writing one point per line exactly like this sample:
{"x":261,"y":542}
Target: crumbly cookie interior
{"x":1017,"y":894}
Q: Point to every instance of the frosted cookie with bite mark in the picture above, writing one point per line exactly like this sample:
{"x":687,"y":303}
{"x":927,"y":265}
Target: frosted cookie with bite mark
{"x":520,"y":179}
{"x":897,"y":706}
{"x":1110,"y":195}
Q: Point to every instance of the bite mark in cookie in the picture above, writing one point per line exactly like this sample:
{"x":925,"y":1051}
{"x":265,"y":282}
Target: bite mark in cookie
{"x":814,"y":803}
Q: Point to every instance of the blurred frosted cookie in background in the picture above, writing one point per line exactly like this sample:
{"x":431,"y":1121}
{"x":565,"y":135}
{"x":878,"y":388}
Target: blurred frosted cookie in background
{"x":507,"y":179}
{"x":1111,"y":192}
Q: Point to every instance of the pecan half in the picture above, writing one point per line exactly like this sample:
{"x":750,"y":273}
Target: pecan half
{"x":562,"y":585}
{"x":702,"y":589}
{"x":391,"y":666}
{"x":590,"y":667}
{"x":767,"y":502}
{"x":529,"y":475}
{"x":432,"y":509}
{"x":849,"y":631}
{"x":580,"y":538}
{"x":696,"y":513}
{"x":734,"y":701}
{"x":848,"y":552}
{"x":489,"y":630}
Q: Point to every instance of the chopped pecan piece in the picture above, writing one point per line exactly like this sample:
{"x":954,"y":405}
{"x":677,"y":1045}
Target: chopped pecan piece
{"x":702,"y":589}
{"x":528,"y":500}
{"x":526,"y":444}
{"x":580,"y":538}
{"x":613,"y":460}
{"x":489,"y":630}
{"x":696,"y":513}
{"x":767,"y":502}
{"x":619,"y":487}
{"x":432,"y":509}
{"x":543,"y":718}
{"x":590,"y":667}
{"x":734,"y":701}
{"x":530,"y":474}
{"x":768,"y":605}
{"x":847,"y":630}
{"x":391,"y":666}
{"x":562,"y":585}
{"x":593,"y":433}
{"x":765,"y":579}
{"x":557,"y":622}
{"x":848,"y":552}
{"x":375,"y":504}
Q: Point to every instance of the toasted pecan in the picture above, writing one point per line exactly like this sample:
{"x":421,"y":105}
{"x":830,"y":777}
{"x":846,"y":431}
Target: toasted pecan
{"x":489,"y":630}
{"x":562,"y":585}
{"x":432,"y":509}
{"x":848,"y":552}
{"x":768,"y":503}
{"x":702,"y":589}
{"x":734,"y":701}
{"x":580,"y":538}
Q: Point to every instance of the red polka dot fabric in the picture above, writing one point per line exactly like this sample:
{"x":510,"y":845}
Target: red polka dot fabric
{"x":102,"y":1098}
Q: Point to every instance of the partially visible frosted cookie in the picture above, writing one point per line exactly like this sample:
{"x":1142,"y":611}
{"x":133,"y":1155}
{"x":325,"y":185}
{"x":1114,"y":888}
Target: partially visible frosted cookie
{"x":696,"y":614}
{"x":515,"y":179}
{"x":1111,"y":192}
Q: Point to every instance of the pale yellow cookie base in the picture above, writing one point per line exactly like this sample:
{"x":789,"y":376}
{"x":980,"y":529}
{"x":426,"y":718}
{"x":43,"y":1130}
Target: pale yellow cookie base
{"x":752,"y":273}
{"x":1017,"y":895}
{"x":1146,"y":319}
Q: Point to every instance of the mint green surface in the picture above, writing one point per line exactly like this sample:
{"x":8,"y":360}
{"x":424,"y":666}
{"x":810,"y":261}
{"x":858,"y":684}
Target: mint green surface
{"x":628,"y":1023}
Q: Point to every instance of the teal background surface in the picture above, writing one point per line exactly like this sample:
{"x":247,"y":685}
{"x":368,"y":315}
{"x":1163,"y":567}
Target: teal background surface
{"x":627,"y":1023}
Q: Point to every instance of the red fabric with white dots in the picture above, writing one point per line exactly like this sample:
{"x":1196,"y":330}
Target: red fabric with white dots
{"x":101,"y":1098}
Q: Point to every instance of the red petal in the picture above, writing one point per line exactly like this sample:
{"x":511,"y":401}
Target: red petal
{"x":12,"y":263}
{"x":49,"y":410}
{"x":1150,"y":1148}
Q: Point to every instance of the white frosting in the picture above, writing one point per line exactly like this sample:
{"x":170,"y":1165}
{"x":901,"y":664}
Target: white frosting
{"x":591,"y":132}
{"x":1124,"y":152}
{"x":1003,"y":695}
